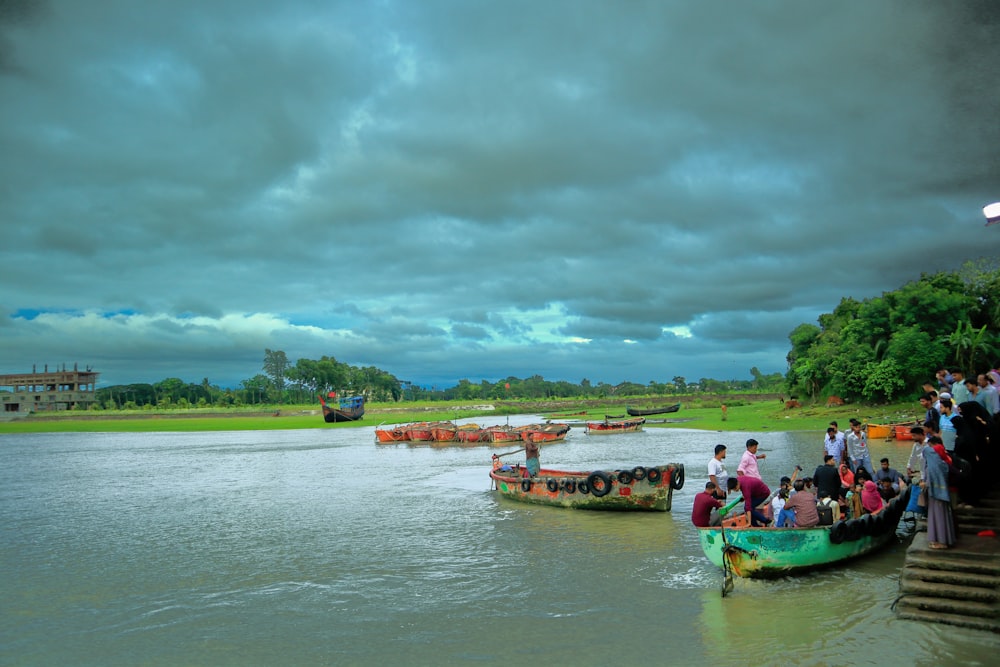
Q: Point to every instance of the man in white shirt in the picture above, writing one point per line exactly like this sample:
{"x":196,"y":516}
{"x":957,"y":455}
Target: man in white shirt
{"x":991,"y":397}
{"x":717,"y":471}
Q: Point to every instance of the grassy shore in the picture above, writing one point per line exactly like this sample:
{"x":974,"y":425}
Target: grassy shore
{"x":703,"y":413}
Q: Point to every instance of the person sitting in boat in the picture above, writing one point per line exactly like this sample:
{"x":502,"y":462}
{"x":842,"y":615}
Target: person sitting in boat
{"x":754,"y":493}
{"x":853,"y":502}
{"x":885,"y":489}
{"x":531,"y":462}
{"x":803,"y":504}
{"x":891,"y":474}
{"x":871,"y":501}
{"x":783,"y":517}
{"x":704,"y":503}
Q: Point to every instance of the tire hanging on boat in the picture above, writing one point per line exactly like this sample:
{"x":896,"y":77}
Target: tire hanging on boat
{"x":552,"y":485}
{"x":583,"y":487}
{"x":653,"y":475}
{"x":599,"y":483}
{"x":639,"y":473}
{"x":624,"y":477}
{"x":526,"y":484}
{"x":677,"y":478}
{"x":569,"y":486}
{"x":838,"y":533}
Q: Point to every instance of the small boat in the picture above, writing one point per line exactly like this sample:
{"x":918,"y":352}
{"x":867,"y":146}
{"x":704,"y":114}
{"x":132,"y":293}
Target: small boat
{"x":390,"y":434}
{"x":568,"y":415}
{"x":419,"y":432}
{"x":616,"y":426}
{"x":543,"y":432}
{"x":351,"y":408}
{"x":902,"y":431}
{"x":776,"y":552}
{"x":444,"y":432}
{"x":878,"y":430}
{"x":503,"y":434}
{"x":636,"y":412}
{"x":639,"y":488}
{"x":472,"y":434}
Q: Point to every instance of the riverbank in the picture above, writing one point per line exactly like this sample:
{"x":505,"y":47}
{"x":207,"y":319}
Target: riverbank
{"x":702,"y":413}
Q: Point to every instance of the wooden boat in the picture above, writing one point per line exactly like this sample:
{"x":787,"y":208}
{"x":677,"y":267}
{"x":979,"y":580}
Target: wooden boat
{"x":638,"y":488}
{"x":902,"y":431}
{"x":636,"y":412}
{"x":419,"y":432}
{"x":616,"y":426}
{"x":350,"y":408}
{"x":775,"y":552}
{"x":543,"y":432}
{"x":472,"y":434}
{"x":878,"y":430}
{"x":390,"y":434}
{"x":503,"y":434}
{"x":568,"y":415}
{"x":443,"y":432}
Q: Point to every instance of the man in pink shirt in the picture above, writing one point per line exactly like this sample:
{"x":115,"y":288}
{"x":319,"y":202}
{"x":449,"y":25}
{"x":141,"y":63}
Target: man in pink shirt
{"x":748,"y":464}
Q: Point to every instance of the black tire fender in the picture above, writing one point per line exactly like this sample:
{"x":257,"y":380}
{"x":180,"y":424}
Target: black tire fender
{"x":569,"y":486}
{"x":639,"y":473}
{"x":599,"y":483}
{"x":653,"y":475}
{"x":838,"y":532}
{"x":526,"y":484}
{"x":677,"y":478}
{"x":624,"y":477}
{"x":552,"y":484}
{"x":583,"y":487}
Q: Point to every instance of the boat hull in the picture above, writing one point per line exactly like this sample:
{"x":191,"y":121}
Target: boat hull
{"x":351,"y":409}
{"x":636,"y":489}
{"x":389,"y":435}
{"x":637,"y":412}
{"x":776,"y":552}
{"x":623,"y":426}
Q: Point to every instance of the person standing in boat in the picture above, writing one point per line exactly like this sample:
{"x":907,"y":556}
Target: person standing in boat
{"x":717,"y":471}
{"x":748,"y":464}
{"x":754,"y":493}
{"x":531,"y":450}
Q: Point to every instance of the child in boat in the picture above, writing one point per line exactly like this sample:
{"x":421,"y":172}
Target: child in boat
{"x":783,"y":518}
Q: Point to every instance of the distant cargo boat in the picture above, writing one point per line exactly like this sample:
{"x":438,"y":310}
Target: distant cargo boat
{"x":351,"y":408}
{"x":619,"y":426}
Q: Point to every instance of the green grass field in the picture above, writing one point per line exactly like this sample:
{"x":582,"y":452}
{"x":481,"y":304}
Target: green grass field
{"x":699,"y":413}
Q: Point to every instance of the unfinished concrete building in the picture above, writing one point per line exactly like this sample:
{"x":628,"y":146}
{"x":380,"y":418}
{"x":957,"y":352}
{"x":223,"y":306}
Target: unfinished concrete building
{"x":59,"y":390}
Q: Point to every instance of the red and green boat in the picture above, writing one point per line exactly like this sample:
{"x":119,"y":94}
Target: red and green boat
{"x":639,"y":488}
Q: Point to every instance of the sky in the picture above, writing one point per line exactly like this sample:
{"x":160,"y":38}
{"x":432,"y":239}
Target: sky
{"x":447,"y":190}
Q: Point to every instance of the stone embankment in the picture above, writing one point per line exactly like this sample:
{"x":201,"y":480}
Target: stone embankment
{"x":957,"y":586}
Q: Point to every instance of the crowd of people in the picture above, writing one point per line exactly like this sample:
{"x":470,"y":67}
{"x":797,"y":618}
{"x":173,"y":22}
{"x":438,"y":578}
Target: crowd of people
{"x":953,"y":452}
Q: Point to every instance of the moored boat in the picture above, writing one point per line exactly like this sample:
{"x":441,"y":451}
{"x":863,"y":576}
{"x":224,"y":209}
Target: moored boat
{"x":878,"y":430}
{"x":639,"y":488}
{"x":638,"y":412}
{"x":775,"y":552}
{"x":419,"y":432}
{"x":616,"y":426}
{"x":472,"y":434}
{"x":443,"y":432}
{"x":902,"y":431}
{"x":503,"y":434}
{"x":543,"y":432}
{"x":350,"y":408}
{"x":390,"y":434}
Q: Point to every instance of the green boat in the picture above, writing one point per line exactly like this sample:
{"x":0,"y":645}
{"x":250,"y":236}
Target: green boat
{"x":776,"y":552}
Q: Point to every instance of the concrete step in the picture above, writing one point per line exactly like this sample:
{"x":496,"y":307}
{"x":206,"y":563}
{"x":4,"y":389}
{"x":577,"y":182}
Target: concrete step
{"x":955,"y":591}
{"x":989,"y":625}
{"x":948,"y":606}
{"x":977,"y":579}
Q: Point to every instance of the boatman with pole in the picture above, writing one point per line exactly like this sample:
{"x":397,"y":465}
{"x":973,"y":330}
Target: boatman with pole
{"x":531,"y":457}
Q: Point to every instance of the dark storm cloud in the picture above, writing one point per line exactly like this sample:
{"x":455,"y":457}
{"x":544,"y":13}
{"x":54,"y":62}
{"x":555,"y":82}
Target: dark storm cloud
{"x":451,"y":189}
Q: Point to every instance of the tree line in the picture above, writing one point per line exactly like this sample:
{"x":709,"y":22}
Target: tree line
{"x":887,"y":347}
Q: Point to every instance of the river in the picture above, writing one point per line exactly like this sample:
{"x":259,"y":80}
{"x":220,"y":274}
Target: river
{"x":318,"y":547}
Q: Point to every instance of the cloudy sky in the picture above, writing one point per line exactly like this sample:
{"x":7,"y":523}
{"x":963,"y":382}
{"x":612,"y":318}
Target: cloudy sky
{"x":456,"y":189}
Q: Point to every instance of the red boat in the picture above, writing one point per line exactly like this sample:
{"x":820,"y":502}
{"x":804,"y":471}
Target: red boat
{"x":544,"y":432}
{"x":391,"y":434}
{"x":616,"y":426}
{"x":419,"y":432}
{"x":443,"y":432}
{"x":472,"y":434}
{"x":503,"y":434}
